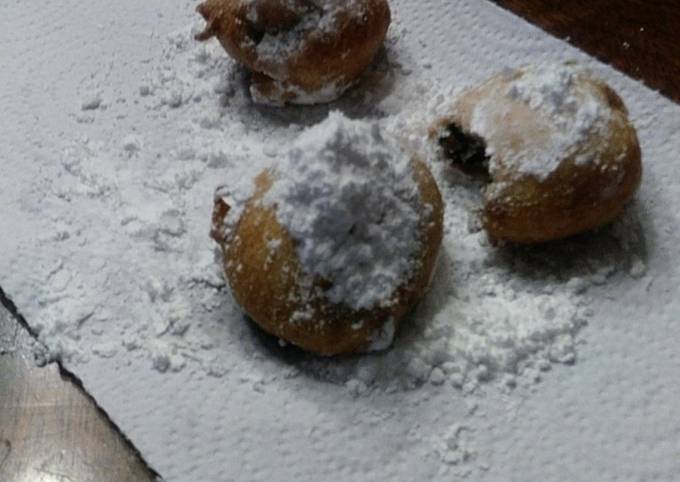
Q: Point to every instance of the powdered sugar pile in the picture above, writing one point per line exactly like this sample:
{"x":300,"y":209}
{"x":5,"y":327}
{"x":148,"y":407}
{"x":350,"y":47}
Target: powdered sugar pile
{"x":347,"y":195}
{"x":570,"y":113}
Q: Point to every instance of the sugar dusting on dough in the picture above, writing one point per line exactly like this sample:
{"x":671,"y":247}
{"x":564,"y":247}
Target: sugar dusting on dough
{"x":571,"y":114}
{"x":479,"y":322}
{"x":321,"y":19}
{"x":346,"y":194}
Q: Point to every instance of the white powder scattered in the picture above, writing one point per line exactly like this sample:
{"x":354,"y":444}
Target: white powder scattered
{"x":328,"y":93}
{"x":346,"y":193}
{"x":125,"y":286}
{"x":454,"y":447}
{"x":570,"y":114}
{"x":91,"y":100}
{"x":637,"y":268}
{"x":437,"y":376}
{"x":383,"y":338}
{"x":145,"y":90}
{"x":490,"y":314}
{"x":132,"y":144}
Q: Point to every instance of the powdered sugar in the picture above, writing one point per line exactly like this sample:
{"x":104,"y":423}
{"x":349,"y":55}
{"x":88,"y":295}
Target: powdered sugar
{"x":570,"y":115}
{"x":316,"y":21}
{"x":479,"y":321}
{"x":328,"y":93}
{"x":277,"y":49}
{"x":347,"y":196}
{"x":109,"y":256}
{"x":486,"y":315}
{"x":320,"y":20}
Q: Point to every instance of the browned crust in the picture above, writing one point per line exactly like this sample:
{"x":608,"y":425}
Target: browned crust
{"x":324,"y":60}
{"x":271,"y":287}
{"x":573,"y":199}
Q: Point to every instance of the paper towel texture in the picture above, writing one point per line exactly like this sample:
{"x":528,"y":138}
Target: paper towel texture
{"x":117,"y":130}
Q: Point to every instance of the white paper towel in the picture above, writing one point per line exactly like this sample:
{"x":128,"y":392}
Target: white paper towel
{"x":243,"y":412}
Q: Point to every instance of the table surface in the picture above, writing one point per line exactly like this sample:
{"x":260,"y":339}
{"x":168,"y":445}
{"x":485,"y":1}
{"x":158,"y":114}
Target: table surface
{"x":638,"y":37}
{"x":51,"y":430}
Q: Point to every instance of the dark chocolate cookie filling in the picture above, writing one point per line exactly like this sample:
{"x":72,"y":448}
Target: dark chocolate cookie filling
{"x":466,"y":151}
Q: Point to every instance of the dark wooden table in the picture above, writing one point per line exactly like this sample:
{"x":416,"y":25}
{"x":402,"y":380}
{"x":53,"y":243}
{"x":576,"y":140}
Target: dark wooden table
{"x":50,"y":430}
{"x":638,"y":37}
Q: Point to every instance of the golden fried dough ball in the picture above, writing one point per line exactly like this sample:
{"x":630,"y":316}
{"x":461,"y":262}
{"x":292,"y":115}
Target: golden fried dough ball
{"x":299,"y":51}
{"x":333,"y":290}
{"x":562,"y":157}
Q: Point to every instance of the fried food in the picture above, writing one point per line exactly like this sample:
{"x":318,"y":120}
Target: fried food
{"x":556,"y":143}
{"x":346,"y":285}
{"x":299,"y":51}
